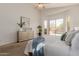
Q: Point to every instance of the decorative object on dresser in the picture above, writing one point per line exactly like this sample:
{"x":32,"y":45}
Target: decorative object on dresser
{"x":39,"y":29}
{"x":23,"y":23}
{"x":25,"y":31}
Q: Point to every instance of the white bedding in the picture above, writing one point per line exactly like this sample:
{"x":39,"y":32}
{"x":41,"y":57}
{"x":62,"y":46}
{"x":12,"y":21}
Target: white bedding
{"x":57,"y":48}
{"x":53,"y":47}
{"x":75,"y":46}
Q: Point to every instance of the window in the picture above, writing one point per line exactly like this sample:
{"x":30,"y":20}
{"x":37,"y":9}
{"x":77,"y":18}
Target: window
{"x":45,"y":26}
{"x":59,"y":26}
{"x":52,"y":27}
{"x":55,"y":26}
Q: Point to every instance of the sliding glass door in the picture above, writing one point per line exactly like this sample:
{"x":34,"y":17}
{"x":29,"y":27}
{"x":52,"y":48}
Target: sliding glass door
{"x":59,"y":26}
{"x":54,"y":26}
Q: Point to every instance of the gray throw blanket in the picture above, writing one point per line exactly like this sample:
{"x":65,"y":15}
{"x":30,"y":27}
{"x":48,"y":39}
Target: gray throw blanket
{"x":38,"y":46}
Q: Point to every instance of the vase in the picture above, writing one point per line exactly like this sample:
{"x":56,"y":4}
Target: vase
{"x":21,"y":29}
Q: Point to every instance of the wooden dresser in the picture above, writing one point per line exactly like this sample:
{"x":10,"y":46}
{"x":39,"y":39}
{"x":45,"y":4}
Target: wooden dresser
{"x":24,"y":35}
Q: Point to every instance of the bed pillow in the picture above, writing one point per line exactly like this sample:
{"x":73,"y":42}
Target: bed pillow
{"x":63,"y":37}
{"x":70,"y":37}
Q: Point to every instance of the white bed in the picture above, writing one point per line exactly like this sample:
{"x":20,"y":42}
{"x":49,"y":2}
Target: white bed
{"x":56,"y":47}
{"x":53,"y":47}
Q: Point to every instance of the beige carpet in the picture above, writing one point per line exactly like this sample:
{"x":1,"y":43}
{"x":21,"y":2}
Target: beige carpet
{"x":14,"y":49}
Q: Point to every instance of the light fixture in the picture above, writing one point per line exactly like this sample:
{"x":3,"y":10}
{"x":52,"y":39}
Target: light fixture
{"x":40,"y":6}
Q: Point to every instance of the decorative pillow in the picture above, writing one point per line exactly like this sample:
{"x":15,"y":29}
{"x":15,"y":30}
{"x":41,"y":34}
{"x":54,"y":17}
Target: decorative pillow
{"x":70,"y":37}
{"x":63,"y":37}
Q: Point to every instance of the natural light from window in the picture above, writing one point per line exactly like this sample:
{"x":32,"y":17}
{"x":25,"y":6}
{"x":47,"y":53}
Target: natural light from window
{"x":45,"y":24}
{"x":55,"y":26}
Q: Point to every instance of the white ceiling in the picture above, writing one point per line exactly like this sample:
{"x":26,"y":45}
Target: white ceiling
{"x":47,"y":5}
{"x":55,"y":5}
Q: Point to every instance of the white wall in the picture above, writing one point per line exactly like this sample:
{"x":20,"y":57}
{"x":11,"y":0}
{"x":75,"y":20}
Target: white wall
{"x":9,"y":14}
{"x":74,"y":13}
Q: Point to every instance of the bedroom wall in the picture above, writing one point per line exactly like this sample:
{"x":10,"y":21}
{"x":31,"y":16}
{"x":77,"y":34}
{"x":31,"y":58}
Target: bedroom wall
{"x":9,"y":15}
{"x":72,"y":11}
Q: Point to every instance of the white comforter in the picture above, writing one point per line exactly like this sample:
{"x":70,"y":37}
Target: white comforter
{"x":56,"y":47}
{"x":53,"y":47}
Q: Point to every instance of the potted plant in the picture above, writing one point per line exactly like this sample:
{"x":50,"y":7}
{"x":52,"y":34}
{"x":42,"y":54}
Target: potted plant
{"x":39,"y":29}
{"x":21,"y":24}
